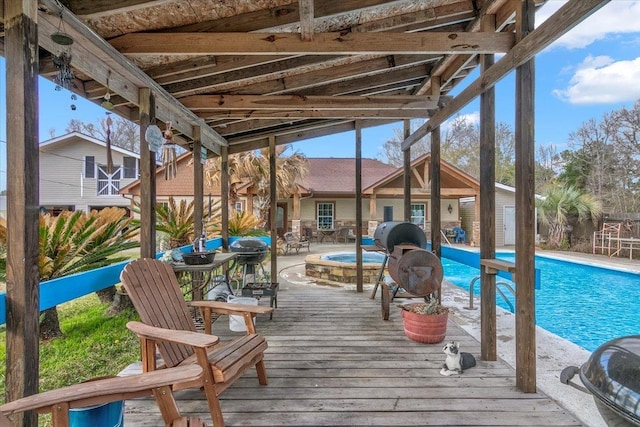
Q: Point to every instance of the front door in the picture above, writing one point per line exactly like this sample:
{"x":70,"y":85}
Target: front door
{"x":509,"y":221}
{"x":282,"y":222}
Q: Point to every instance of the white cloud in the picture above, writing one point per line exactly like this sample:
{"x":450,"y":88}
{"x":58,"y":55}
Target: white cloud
{"x":616,"y":17}
{"x":601,"y":80}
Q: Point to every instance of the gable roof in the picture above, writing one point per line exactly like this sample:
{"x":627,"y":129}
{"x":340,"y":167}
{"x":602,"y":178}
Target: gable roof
{"x":337,"y":175}
{"x":74,"y":136}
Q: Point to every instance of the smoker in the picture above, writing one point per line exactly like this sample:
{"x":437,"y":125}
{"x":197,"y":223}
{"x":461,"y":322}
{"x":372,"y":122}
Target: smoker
{"x":612,"y":376}
{"x":413,"y":268}
{"x":251,"y":252}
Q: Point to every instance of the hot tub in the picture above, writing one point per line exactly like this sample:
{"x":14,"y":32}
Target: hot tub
{"x":341,"y":267}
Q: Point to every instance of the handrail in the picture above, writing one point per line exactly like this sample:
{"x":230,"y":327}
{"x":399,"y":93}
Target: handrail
{"x":502,"y":294}
{"x":445,"y":238}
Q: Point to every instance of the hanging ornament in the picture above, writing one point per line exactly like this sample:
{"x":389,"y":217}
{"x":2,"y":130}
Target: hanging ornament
{"x":106,"y":103}
{"x":154,"y":137}
{"x":62,"y":61}
{"x":109,"y":158}
{"x":169,"y":154}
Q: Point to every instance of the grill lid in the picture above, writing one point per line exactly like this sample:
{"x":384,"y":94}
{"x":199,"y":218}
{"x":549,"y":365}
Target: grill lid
{"x":391,"y":233}
{"x":249,"y":245}
{"x":612,"y":375}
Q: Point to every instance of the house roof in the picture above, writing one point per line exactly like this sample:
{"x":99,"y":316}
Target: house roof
{"x":337,"y":175}
{"x":72,"y":137}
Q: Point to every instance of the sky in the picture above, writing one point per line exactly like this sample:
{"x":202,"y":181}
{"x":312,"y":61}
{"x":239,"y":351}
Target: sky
{"x":592,"y":70}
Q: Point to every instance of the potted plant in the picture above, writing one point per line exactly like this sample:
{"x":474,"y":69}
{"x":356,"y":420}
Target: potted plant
{"x":425,"y":322}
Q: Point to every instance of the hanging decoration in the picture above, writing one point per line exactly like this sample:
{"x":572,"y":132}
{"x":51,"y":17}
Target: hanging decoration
{"x":106,"y":103}
{"x":109,"y":158}
{"x":154,"y":137}
{"x":169,"y":154}
{"x":62,"y":60}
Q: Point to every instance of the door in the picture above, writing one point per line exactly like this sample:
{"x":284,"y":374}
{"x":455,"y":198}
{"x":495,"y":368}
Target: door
{"x":509,"y":224}
{"x":282,"y":222}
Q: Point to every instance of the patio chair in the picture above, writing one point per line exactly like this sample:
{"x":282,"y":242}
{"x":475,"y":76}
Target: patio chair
{"x":96,"y":394}
{"x":292,"y":241}
{"x":346,"y":235}
{"x":168,"y":325}
{"x":460,"y":235}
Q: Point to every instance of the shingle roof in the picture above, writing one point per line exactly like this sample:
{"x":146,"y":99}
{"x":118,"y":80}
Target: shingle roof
{"x":337,"y":175}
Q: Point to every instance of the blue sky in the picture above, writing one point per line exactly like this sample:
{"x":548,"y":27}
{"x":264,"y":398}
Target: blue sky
{"x":593,"y":69}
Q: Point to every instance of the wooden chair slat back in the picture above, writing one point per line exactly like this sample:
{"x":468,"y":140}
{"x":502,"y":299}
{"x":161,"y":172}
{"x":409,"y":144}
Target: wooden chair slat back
{"x":155,"y":293}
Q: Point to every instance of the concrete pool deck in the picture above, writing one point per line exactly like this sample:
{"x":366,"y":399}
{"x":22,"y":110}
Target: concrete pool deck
{"x":553,"y":353}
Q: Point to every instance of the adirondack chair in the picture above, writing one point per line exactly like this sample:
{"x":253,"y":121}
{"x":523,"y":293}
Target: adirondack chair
{"x":291,"y":242}
{"x":167,"y":324}
{"x":106,"y":390}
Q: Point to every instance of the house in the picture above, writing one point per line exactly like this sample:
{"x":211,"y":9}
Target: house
{"x":74,"y":173}
{"x":326,"y":196}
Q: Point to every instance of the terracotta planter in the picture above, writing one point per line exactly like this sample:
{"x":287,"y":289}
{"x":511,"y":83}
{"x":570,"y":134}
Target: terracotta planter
{"x":425,"y":328}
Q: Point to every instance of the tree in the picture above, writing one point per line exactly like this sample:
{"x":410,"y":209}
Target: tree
{"x":73,"y":242}
{"x":392,"y":151}
{"x":124,"y":133}
{"x":177,"y":220}
{"x":562,"y":207}
{"x":251,"y":168}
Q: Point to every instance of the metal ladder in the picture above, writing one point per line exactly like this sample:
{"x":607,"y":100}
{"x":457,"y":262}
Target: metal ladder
{"x":505,"y":285}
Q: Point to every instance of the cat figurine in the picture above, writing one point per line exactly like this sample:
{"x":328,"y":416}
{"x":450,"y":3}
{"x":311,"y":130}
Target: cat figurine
{"x":456,"y":361}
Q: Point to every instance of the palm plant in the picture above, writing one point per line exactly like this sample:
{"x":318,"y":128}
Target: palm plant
{"x":245,"y":224}
{"x":563,"y":206}
{"x":251,"y":168}
{"x":176,"y":219}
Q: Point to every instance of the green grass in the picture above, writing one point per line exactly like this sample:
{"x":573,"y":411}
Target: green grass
{"x":93,"y":345}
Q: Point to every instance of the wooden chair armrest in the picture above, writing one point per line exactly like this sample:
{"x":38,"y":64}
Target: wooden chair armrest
{"x":194,"y":339}
{"x":228,"y":308}
{"x":103,"y":390}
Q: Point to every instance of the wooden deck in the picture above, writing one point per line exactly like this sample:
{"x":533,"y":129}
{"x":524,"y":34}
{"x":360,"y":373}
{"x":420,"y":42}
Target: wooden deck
{"x":333,"y":361}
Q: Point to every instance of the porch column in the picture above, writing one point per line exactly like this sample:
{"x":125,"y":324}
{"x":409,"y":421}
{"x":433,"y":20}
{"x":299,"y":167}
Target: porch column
{"x":224,"y":196}
{"x":198,"y":184}
{"x":359,"y":273}
{"x":273,"y":207}
{"x":486,"y":206}
{"x":147,"y":177}
{"x":407,"y":173}
{"x":22,"y":299}
{"x":525,"y":209}
{"x":435,"y":192}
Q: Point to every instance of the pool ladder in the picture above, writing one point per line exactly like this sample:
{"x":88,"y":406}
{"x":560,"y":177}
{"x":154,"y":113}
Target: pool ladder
{"x":505,"y":285}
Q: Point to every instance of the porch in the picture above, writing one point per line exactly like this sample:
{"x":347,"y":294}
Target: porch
{"x":333,"y":361}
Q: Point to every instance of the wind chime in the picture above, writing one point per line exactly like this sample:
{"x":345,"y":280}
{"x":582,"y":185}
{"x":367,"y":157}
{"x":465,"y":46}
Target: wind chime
{"x":109,"y":158}
{"x":169,"y":153}
{"x":62,"y":61}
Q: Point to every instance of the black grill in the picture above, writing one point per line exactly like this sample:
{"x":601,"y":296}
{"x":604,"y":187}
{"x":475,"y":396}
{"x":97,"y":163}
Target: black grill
{"x":391,"y":233}
{"x":250,"y":250}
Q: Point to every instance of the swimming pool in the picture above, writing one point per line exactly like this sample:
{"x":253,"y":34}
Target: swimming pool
{"x":584,"y":304}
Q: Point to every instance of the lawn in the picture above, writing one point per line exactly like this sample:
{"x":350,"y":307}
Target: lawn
{"x":93,"y":345}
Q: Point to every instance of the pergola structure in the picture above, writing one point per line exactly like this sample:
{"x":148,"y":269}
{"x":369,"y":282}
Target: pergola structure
{"x":239,"y":75}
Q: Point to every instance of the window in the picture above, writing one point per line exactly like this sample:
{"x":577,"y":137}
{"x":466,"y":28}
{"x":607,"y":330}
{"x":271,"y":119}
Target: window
{"x":238,"y":207}
{"x":418,"y":215}
{"x":109,"y":184}
{"x":89,"y":167}
{"x":130,"y":165}
{"x":324,"y":216}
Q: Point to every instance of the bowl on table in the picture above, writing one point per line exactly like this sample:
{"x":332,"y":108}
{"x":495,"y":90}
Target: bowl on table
{"x":198,"y":258}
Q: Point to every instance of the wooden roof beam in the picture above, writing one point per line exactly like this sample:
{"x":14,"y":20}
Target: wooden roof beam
{"x":306,"y":11}
{"x":567,"y":17}
{"x":323,"y":43}
{"x":308,"y":103}
{"x":317,"y":114}
{"x":95,"y":57}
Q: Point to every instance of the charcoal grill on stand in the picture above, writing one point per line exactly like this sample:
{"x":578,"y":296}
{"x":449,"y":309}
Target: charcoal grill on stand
{"x":413,"y":268}
{"x":251,"y":252}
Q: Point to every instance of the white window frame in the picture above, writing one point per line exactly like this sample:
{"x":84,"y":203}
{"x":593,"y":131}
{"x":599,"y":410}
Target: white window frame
{"x":419,"y":220}
{"x":325,"y":217}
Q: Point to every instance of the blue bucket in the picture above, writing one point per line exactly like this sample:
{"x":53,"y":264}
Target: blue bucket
{"x":105,"y":415}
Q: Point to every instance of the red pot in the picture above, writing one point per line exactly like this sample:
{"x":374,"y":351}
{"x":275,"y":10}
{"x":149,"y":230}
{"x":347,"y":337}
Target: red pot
{"x":425,"y":328}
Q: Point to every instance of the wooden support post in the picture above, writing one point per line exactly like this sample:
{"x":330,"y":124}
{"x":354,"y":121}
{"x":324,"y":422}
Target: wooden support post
{"x":224,"y":196}
{"x":436,"y":240}
{"x":359,"y":273}
{"x":147,"y":178}
{"x":487,"y":208}
{"x":273,"y":207}
{"x":407,"y":173}
{"x":525,"y":210}
{"x":198,"y":184}
{"x":21,"y":51}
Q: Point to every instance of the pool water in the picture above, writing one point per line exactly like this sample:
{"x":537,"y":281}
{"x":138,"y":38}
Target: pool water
{"x":367,"y":257}
{"x":584,"y":304}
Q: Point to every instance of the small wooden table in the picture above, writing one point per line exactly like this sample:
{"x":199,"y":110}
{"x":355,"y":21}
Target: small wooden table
{"x":202,"y":274}
{"x":328,"y":233}
{"x":625,"y":243}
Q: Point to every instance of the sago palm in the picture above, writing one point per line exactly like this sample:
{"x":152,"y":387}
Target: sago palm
{"x":177,"y":220}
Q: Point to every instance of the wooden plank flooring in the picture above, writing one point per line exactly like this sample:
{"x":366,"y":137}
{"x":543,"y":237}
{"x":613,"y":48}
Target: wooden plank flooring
{"x":333,"y":361}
